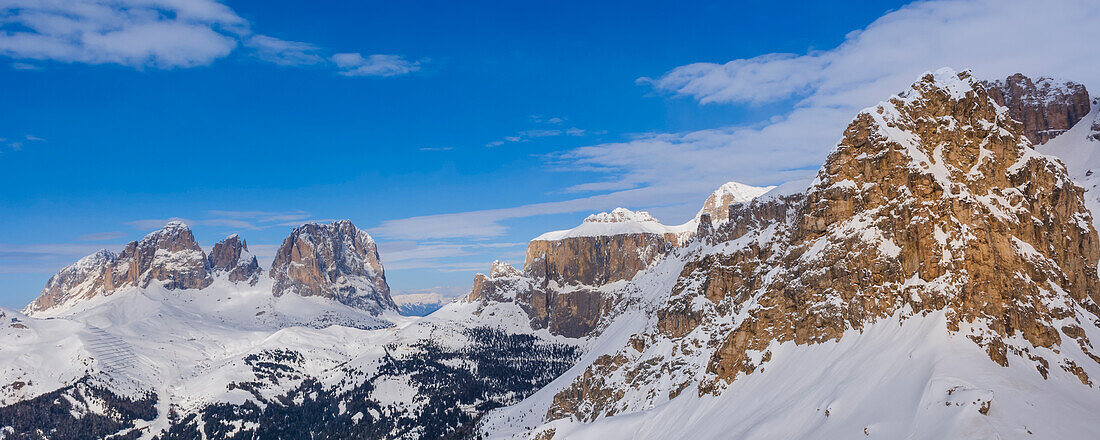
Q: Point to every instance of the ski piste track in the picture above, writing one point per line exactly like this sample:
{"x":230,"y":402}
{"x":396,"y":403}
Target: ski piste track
{"x":114,"y":355}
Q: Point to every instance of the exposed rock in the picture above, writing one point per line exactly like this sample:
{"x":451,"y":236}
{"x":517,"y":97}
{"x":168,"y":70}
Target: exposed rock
{"x":169,"y":256}
{"x":336,"y":261}
{"x":718,"y":203}
{"x":81,"y":280}
{"x":1046,"y":106}
{"x":571,"y":311}
{"x":933,"y":201}
{"x":606,"y":247}
{"x":230,"y":256}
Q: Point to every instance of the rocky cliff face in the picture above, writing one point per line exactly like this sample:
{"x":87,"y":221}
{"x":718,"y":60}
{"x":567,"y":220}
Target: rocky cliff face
{"x":336,"y":261}
{"x":81,"y":280}
{"x":934,"y":202}
{"x":1046,"y":107}
{"x":169,"y":256}
{"x":606,"y":247}
{"x":231,"y":257}
{"x":717,"y":205}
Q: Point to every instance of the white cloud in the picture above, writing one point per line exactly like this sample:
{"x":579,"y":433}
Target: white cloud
{"x":162,"y":34}
{"x":671,"y":173}
{"x":251,"y":220}
{"x":33,"y":138}
{"x":136,"y":33}
{"x":283,"y":52}
{"x":355,"y":64}
{"x":24,"y":66}
{"x":996,"y":38}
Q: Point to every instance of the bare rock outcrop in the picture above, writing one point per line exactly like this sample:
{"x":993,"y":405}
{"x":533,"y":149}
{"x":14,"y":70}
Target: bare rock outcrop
{"x":1046,"y":107}
{"x":336,"y":261}
{"x":81,"y":280}
{"x":232,"y":258}
{"x":169,"y":256}
{"x":606,"y":247}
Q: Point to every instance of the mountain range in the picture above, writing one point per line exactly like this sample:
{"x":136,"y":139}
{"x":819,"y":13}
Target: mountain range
{"x":938,"y":278}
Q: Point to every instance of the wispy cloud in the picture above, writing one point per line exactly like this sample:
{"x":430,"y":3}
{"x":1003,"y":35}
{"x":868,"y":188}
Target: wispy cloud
{"x":33,"y":138}
{"x":101,"y":236}
{"x":156,"y":34}
{"x":241,"y":220}
{"x":436,"y":148}
{"x":553,"y":120}
{"x":283,"y":52}
{"x":670,"y":170}
{"x":528,"y":135}
{"x":43,"y":257}
{"x":355,"y":64}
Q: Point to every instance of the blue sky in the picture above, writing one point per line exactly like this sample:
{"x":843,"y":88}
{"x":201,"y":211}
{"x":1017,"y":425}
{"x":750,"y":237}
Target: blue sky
{"x":452,"y":132}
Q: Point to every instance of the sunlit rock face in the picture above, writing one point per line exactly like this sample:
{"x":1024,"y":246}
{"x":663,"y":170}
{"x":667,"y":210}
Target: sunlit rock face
{"x":169,"y":256}
{"x":934,"y":202}
{"x":336,"y":261}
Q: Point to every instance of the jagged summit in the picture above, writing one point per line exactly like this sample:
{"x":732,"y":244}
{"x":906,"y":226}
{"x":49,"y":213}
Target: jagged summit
{"x":1047,"y":107}
{"x":337,"y":261}
{"x":169,"y":256}
{"x":232,"y":258}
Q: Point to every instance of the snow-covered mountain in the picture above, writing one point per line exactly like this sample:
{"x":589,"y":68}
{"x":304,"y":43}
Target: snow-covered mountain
{"x":419,"y":304}
{"x":937,"y":279}
{"x":717,"y":205}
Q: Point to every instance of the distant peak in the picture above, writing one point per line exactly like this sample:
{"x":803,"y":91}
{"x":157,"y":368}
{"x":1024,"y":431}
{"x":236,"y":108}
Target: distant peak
{"x":717,"y":205}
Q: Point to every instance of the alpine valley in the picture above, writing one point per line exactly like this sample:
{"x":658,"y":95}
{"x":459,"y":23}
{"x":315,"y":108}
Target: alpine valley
{"x":937,"y":279}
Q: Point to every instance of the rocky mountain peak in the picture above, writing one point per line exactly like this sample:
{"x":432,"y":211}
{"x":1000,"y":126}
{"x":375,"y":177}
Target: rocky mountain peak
{"x":718,"y":203}
{"x":337,"y":261}
{"x":934,"y":202}
{"x":1047,"y":107}
{"x":231,"y":257}
{"x":169,"y":256}
{"x":80,"y":280}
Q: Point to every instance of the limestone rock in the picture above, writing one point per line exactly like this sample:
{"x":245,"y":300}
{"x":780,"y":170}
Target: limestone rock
{"x":81,"y":280}
{"x":231,"y":257}
{"x":336,"y":261}
{"x":169,"y":256}
{"x":606,"y":247}
{"x":1046,"y":107}
{"x":934,"y":201}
